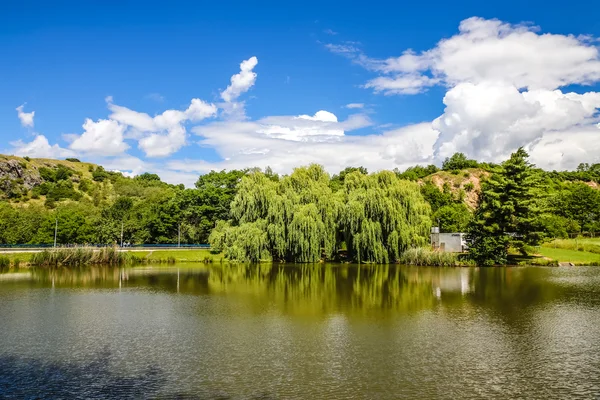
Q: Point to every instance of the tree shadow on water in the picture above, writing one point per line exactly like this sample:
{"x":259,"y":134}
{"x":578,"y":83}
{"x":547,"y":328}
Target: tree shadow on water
{"x":26,"y":378}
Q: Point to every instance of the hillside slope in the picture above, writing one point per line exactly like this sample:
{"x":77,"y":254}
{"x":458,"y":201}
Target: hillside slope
{"x":467,"y":180}
{"x":28,"y":180}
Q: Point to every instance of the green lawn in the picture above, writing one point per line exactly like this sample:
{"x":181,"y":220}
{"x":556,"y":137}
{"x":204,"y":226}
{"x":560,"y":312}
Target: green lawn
{"x":574,"y":256}
{"x":185,"y":255}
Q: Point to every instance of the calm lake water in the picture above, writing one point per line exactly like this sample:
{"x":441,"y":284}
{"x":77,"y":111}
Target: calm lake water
{"x":294,"y":332}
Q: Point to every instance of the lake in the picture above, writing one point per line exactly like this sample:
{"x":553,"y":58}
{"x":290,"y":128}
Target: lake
{"x":297,"y":331}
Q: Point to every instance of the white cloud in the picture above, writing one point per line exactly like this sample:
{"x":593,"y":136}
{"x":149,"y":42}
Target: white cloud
{"x":241,"y":82}
{"x":566,"y":149}
{"x":490,"y":50}
{"x":330,"y":32}
{"x":355,"y":105}
{"x":103,"y":137}
{"x":163,"y":134}
{"x":405,"y":84}
{"x":503,"y":89}
{"x":40,"y":148}
{"x":286,"y":142}
{"x":25,"y":118}
{"x":490,"y":120}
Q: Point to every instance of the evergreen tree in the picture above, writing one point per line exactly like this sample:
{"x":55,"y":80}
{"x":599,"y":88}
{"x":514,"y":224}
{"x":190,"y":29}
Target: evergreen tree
{"x":508,"y":212}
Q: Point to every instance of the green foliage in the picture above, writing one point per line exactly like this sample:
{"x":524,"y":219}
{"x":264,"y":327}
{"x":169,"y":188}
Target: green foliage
{"x":301,"y":219}
{"x":100,"y":175}
{"x":457,"y":162}
{"x":580,"y":203}
{"x":73,"y":160}
{"x":508,"y":212}
{"x":469,"y":187}
{"x":454,"y":217}
{"x":337,"y":181}
{"x":147,"y":177}
{"x":417,"y":172}
{"x":85,"y":185}
{"x":426,"y":257}
{"x":47,"y":174}
{"x":556,"y":226}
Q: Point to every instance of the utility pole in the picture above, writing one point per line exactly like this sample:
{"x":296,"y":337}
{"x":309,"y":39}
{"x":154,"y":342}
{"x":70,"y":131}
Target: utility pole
{"x":55,"y":231}
{"x":121,"y":233}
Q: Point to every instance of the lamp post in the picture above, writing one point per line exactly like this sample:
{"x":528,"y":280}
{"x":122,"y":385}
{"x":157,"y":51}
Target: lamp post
{"x":55,"y":231}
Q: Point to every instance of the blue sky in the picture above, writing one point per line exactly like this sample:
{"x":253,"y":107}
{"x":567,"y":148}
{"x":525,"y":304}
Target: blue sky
{"x":111,"y":61}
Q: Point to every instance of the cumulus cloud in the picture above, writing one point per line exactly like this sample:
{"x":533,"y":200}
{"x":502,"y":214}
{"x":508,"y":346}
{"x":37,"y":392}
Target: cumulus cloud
{"x":504,"y":89}
{"x":286,"y":142}
{"x":164,"y":134}
{"x":40,"y":148}
{"x":491,"y":50}
{"x":241,"y":82}
{"x":25,"y":118}
{"x":103,"y":137}
{"x":490,"y":120}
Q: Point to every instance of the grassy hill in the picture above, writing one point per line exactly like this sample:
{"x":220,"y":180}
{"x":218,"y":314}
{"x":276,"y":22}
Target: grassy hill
{"x":41,"y":181}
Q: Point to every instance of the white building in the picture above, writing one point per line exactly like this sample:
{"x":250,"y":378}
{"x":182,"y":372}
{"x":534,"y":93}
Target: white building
{"x":451,"y":242}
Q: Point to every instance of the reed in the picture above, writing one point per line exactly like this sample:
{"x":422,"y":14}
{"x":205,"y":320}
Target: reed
{"x":426,"y":257}
{"x":4,"y":263}
{"x":80,"y":256}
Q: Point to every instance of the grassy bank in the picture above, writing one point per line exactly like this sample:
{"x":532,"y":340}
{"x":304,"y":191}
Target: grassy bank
{"x":572,"y":256}
{"x":72,"y":257}
{"x":427,"y":257}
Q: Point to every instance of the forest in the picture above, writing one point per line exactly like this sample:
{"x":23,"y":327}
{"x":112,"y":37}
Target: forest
{"x":306,"y":216}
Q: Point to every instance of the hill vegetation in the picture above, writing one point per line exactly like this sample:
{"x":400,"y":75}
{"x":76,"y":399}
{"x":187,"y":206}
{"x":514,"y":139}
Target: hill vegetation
{"x":305,"y":216}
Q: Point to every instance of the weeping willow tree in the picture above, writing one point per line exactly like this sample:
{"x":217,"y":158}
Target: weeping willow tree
{"x":300,"y":219}
{"x":294,"y":219}
{"x":382,"y":216}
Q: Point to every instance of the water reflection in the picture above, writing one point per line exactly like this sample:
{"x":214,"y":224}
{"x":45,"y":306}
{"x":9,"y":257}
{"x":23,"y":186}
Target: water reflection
{"x":299,"y":331}
{"x":329,"y":288}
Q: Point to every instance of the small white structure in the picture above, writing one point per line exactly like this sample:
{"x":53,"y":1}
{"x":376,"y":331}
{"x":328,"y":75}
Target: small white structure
{"x":451,"y":242}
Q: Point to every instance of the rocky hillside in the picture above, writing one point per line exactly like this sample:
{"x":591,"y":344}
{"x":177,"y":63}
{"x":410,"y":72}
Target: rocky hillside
{"x":467,"y":180}
{"x":46,"y":180}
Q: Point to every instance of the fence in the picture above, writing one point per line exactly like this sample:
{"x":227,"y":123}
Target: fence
{"x":137,"y":246}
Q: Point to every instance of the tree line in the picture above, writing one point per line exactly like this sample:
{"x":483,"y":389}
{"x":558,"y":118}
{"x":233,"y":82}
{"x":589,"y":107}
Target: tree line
{"x":309,"y":215}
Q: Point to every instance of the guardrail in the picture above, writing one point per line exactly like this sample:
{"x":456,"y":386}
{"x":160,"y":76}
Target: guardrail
{"x":131,"y":246}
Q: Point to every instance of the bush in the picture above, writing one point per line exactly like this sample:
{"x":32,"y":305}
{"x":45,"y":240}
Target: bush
{"x":100,"y":174}
{"x":469,"y":187}
{"x":427,"y":257}
{"x":47,"y":174}
{"x":458,"y":161}
{"x":85,"y":185}
{"x":73,"y":159}
{"x":4,"y":263}
{"x":26,"y":158}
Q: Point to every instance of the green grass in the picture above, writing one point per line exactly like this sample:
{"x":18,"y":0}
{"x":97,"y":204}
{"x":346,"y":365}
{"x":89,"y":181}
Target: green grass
{"x":131,"y":257}
{"x":186,"y":255}
{"x":585,"y":245}
{"x":573,"y":256}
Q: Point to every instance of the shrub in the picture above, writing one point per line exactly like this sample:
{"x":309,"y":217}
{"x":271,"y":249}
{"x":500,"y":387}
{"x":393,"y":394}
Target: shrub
{"x":469,"y":187}
{"x":73,"y":159}
{"x":26,"y":158}
{"x":47,"y":174}
{"x":100,"y":174}
{"x":426,"y":257}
